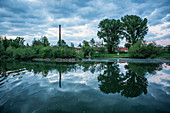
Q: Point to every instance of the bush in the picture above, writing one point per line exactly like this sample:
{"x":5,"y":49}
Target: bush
{"x":88,"y":51}
{"x":79,"y":54}
{"x":2,"y":50}
{"x":9,"y":51}
{"x":23,"y":53}
{"x":46,"y":52}
{"x":141,"y":50}
{"x":17,"y":53}
{"x":102,"y":50}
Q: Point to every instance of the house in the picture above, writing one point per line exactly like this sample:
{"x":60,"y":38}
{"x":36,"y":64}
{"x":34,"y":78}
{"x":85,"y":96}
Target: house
{"x":79,"y":47}
{"x":124,"y":49}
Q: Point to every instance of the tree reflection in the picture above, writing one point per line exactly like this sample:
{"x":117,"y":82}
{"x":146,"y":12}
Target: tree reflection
{"x":111,"y":80}
{"x":16,"y":68}
{"x":130,"y":84}
{"x":134,"y":85}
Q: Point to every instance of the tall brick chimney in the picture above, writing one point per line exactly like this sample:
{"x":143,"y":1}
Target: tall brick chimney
{"x":60,"y":32}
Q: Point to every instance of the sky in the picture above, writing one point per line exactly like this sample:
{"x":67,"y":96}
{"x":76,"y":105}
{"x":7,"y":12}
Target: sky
{"x":79,"y":18}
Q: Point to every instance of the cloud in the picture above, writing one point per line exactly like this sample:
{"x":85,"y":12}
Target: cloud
{"x":79,"y":19}
{"x":163,"y":41}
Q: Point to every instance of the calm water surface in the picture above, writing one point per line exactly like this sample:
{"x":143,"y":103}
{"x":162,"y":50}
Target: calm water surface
{"x":107,"y":86}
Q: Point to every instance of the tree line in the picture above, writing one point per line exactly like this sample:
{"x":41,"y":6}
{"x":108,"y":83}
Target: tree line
{"x":132,"y":28}
{"x":40,"y":48}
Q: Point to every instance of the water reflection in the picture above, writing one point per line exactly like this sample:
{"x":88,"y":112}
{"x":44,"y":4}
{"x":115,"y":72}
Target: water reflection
{"x":130,"y":84}
{"x":81,"y":87}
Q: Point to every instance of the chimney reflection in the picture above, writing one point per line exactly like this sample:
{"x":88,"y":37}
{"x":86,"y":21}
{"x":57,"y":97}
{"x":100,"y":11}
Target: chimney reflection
{"x":60,"y":79}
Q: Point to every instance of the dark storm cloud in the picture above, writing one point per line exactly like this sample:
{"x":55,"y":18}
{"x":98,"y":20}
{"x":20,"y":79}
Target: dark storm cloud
{"x":35,"y":17}
{"x":14,"y":7}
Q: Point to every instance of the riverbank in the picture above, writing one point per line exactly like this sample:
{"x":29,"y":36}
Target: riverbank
{"x":56,"y":60}
{"x":126,"y":55}
{"x":46,"y":59}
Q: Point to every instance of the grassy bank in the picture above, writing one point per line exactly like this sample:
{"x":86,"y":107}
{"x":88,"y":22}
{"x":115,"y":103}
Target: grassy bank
{"x":114,"y":55}
{"x":126,"y":55}
{"x":164,"y":55}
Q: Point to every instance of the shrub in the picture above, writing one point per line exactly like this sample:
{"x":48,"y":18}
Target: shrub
{"x":10,"y":51}
{"x":17,"y":53}
{"x":88,"y":51}
{"x":2,"y":50}
{"x":141,"y":50}
{"x":23,"y":53}
{"x":102,"y":50}
{"x":46,"y":52}
{"x":79,"y":54}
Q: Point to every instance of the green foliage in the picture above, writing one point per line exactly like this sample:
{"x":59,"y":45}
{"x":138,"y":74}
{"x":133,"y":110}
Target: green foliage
{"x":72,"y":45}
{"x":92,"y":42}
{"x":88,"y":51}
{"x":167,"y":48}
{"x":61,"y":43}
{"x":127,"y":45}
{"x":135,"y":28}
{"x":79,"y":54}
{"x":102,"y":50}
{"x":85,"y":43}
{"x":36,"y":43}
{"x":164,"y":55}
{"x":5,"y":43}
{"x":23,"y":53}
{"x":46,"y":52}
{"x":111,"y":31}
{"x":41,"y":42}
{"x":63,"y":52}
{"x":2,"y":50}
{"x":141,"y":50}
{"x":9,"y":51}
{"x":45,"y":41}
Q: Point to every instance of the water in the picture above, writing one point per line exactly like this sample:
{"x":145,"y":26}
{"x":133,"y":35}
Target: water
{"x":99,"y":86}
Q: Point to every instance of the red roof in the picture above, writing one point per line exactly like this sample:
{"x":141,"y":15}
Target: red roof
{"x":123,"y":49}
{"x":78,"y":48}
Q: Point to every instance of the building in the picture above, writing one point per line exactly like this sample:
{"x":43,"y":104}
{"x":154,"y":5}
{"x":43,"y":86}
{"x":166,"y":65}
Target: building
{"x":124,"y":49}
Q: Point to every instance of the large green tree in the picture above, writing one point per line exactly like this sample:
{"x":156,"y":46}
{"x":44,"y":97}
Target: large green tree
{"x":111,"y":32}
{"x":92,"y":42}
{"x":45,"y":41}
{"x":135,"y":28}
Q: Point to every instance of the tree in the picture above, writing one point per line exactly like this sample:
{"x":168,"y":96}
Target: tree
{"x":92,"y":42}
{"x":129,"y":84}
{"x":45,"y":41}
{"x":80,"y":45}
{"x":18,"y":42}
{"x":111,"y":31}
{"x":37,"y":42}
{"x":61,"y":43}
{"x":168,"y":48}
{"x":5,"y":43}
{"x":135,"y":28}
{"x":2,"y":50}
{"x":86,"y":43}
{"x":72,"y":45}
{"x":142,"y":50}
{"x":127,"y":45}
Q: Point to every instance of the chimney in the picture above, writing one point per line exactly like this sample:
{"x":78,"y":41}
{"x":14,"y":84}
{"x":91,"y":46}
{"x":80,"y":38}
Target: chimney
{"x":60,"y":32}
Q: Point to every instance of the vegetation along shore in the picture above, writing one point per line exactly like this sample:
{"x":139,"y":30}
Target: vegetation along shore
{"x":111,"y":31}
